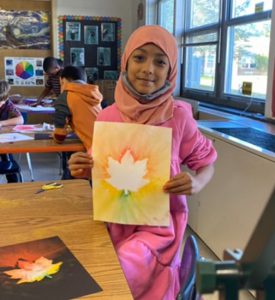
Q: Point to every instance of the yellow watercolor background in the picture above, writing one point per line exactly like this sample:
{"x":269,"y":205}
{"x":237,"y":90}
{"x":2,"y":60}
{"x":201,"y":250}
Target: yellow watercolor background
{"x":149,"y":205}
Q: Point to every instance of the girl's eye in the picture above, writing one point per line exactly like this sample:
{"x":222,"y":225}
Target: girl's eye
{"x":138,"y":57}
{"x":161,"y":62}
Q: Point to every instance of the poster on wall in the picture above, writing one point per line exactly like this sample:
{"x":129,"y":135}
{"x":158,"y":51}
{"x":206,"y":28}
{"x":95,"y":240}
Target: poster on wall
{"x":73,"y":31}
{"x":108,"y":32}
{"x":77,"y":57}
{"x":91,"y":35}
{"x":24,"y":71}
{"x":24,"y":29}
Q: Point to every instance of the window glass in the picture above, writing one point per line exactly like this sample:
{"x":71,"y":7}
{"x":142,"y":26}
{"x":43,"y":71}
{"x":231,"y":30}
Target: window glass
{"x":200,"y":67}
{"x":166,"y":14}
{"x":203,"y":12}
{"x":248,"y":7}
{"x":247,"y":58}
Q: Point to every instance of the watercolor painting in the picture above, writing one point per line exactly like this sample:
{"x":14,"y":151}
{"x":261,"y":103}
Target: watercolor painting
{"x":43,"y":269}
{"x":131,"y":165}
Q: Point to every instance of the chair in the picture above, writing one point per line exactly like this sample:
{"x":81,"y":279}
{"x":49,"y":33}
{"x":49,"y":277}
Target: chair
{"x":10,"y":168}
{"x":187,"y":275}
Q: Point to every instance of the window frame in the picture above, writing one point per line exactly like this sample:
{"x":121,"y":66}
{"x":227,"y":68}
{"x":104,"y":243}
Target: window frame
{"x":158,"y":5}
{"x":218,"y":96}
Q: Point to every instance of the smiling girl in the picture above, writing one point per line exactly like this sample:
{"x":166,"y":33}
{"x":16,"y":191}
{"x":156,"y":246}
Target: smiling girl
{"x":150,"y":255}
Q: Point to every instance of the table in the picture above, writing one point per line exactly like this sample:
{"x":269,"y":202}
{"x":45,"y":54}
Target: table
{"x":36,"y":109}
{"x":39,"y":146}
{"x":37,"y":114}
{"x":67,"y":213}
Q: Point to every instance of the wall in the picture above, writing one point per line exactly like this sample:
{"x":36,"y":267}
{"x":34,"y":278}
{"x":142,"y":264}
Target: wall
{"x":225,"y":213}
{"x":123,"y":9}
{"x":138,"y":20}
{"x":271,"y":66}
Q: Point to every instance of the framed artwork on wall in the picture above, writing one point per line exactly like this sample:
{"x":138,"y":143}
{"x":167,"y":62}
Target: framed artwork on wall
{"x":24,"y":29}
{"x":93,"y":43}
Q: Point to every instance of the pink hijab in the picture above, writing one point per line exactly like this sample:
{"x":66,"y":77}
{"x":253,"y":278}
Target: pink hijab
{"x":160,"y":109}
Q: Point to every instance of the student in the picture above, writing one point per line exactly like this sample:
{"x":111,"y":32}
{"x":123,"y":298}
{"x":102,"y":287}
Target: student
{"x":9,"y":116}
{"x":150,"y":255}
{"x":78,"y":105}
{"x":52,"y":67}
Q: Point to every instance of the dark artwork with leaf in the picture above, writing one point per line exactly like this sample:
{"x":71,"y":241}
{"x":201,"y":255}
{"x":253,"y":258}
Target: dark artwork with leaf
{"x":43,"y":269}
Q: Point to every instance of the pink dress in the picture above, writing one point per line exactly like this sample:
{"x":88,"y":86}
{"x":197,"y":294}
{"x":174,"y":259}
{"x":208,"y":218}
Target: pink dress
{"x":149,"y":255}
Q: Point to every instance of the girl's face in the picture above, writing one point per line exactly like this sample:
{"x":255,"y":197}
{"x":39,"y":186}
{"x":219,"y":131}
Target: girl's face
{"x":147,"y":69}
{"x":2,"y":102}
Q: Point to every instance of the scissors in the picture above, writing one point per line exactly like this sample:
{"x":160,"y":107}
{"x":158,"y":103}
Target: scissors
{"x":49,"y":186}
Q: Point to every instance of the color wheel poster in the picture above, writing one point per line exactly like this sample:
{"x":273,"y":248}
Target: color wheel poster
{"x":24,"y":71}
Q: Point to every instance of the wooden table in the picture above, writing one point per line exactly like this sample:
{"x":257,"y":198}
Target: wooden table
{"x":67,"y":213}
{"x":39,"y":146}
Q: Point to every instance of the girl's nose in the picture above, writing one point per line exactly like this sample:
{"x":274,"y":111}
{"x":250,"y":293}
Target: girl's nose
{"x":148,"y":67}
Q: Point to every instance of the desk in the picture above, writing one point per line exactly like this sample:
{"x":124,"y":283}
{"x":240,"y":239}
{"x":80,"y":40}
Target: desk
{"x":39,"y":146}
{"x":37,"y":109}
{"x":38,"y":114}
{"x":67,"y":213}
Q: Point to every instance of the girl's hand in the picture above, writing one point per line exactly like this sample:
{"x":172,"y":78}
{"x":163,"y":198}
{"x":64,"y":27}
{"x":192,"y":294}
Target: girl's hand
{"x":186,"y":184}
{"x":182,"y":184}
{"x":80,"y":165}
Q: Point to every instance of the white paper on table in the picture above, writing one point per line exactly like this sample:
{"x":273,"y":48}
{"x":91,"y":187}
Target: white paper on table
{"x":24,"y":107}
{"x":14,"y":137}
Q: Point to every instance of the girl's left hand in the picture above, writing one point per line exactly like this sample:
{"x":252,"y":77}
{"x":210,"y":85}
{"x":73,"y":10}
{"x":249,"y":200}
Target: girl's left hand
{"x":182,"y":184}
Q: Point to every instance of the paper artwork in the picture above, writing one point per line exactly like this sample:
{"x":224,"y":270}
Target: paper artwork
{"x":131,"y":165}
{"x":43,"y":269}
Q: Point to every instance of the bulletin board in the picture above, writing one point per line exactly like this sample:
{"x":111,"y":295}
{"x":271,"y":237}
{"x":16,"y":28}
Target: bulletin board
{"x":92,"y":43}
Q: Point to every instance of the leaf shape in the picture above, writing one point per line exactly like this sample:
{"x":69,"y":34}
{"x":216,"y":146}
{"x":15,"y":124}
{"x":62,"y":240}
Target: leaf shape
{"x":36,"y":271}
{"x":128,"y":174}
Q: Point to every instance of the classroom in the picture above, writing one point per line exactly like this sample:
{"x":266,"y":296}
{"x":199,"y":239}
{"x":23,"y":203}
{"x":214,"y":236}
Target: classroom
{"x":137,"y":149}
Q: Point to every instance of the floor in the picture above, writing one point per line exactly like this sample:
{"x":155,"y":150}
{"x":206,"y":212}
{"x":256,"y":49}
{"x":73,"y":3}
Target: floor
{"x":40,"y":172}
{"x":46,"y":167}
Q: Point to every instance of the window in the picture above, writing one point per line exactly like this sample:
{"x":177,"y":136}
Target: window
{"x":222,"y":53}
{"x":166,"y":14}
{"x":246,"y":61}
{"x":225,"y":46}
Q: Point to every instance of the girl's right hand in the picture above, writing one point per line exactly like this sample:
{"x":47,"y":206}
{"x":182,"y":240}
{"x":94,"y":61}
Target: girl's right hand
{"x":80,"y":165}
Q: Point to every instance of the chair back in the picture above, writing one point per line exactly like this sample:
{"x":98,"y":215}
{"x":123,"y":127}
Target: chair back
{"x":187,"y":274}
{"x":8,"y":166}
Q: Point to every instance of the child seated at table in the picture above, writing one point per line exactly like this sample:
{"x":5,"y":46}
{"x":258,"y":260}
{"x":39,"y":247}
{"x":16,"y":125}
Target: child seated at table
{"x":78,"y":106}
{"x":9,"y":116}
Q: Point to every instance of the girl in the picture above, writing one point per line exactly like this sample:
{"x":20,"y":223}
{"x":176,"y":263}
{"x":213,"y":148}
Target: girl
{"x":149,"y":255}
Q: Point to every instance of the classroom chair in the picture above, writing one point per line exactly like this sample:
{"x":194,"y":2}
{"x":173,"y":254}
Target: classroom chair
{"x":190,"y":256}
{"x":10,"y":168}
